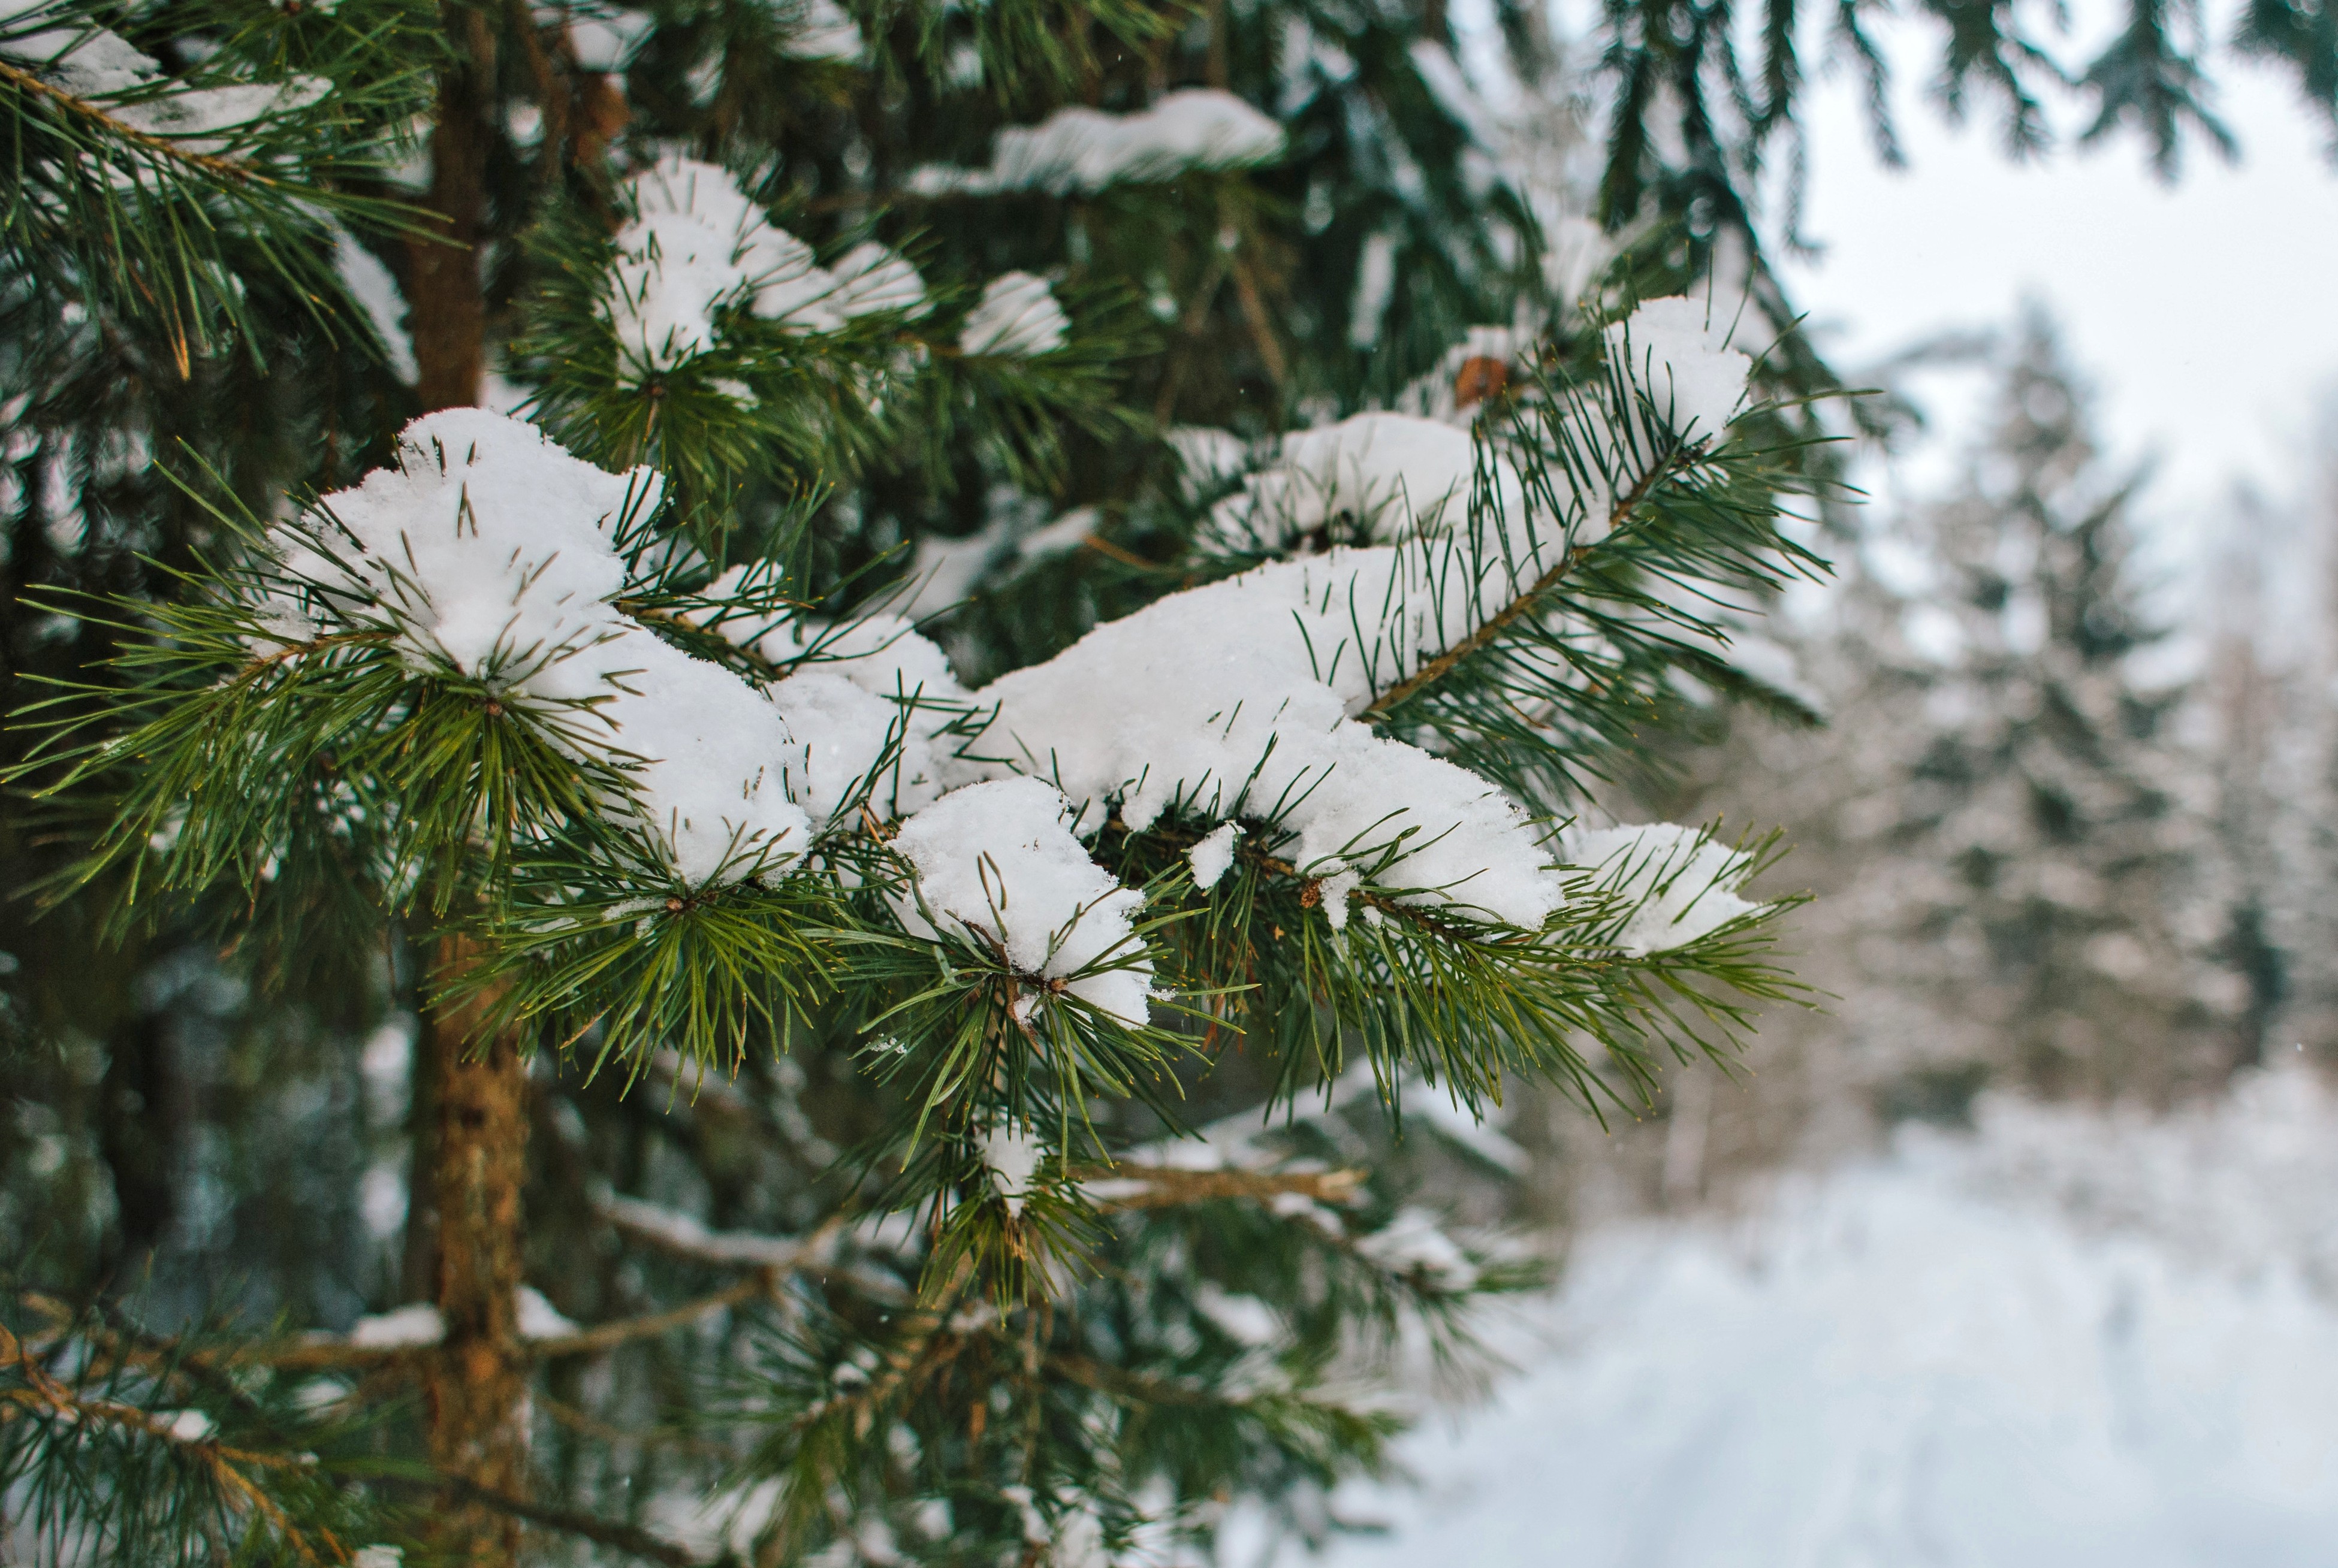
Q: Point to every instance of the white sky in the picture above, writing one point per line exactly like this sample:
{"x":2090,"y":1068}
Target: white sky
{"x":2206,"y":313}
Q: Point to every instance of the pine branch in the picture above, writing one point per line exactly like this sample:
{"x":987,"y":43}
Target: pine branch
{"x":614,"y":1534}
{"x":226,"y":169}
{"x":1492,"y":628}
{"x":45,"y":1393}
{"x":680,"y":1236}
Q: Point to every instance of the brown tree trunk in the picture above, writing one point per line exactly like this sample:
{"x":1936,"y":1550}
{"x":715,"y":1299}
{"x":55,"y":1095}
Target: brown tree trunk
{"x":470,"y":1154}
{"x":445,"y":293}
{"x":476,"y":1390}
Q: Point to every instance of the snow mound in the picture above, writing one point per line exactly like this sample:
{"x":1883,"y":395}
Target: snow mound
{"x":697,"y":245}
{"x":1016,"y":316}
{"x":1685,"y":362}
{"x":1080,"y":150}
{"x":1000,"y":861}
{"x":490,"y":550}
{"x":1679,"y":883}
{"x":2070,"y":1341}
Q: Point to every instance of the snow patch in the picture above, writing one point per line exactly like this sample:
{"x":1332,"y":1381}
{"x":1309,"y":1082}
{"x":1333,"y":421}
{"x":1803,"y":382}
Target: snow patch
{"x":1017,"y":316}
{"x":1679,"y":883}
{"x":1082,"y":150}
{"x":998,"y":860}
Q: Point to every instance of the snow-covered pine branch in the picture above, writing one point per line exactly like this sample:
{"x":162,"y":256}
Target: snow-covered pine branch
{"x":492,"y":554}
{"x":1083,"y":151}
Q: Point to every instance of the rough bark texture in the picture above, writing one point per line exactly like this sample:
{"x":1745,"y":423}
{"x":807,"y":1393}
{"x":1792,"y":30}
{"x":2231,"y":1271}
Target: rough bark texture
{"x":475,"y":1394}
{"x":444,"y":289}
{"x":472,"y":1140}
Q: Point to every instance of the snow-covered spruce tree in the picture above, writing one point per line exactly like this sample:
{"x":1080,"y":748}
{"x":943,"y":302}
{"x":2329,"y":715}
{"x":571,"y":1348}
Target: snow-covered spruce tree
{"x":1329,"y":525}
{"x":2007,"y":828}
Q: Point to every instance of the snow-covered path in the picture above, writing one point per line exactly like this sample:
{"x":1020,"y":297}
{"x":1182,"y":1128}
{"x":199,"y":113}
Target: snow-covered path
{"x":2070,"y":1341}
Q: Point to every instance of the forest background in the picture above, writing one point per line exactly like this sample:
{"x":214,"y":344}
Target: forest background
{"x":2050,"y":854}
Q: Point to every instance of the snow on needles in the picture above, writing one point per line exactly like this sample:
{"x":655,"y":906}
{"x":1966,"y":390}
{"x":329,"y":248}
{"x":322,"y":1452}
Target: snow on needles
{"x":1685,"y":364}
{"x":1018,"y":316}
{"x":997,"y":861}
{"x":1080,"y":150}
{"x":697,"y":246}
{"x":489,"y":549}
{"x":1680,"y":884}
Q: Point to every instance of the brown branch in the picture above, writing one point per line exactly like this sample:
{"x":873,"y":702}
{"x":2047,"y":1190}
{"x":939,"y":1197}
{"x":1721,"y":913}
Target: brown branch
{"x":679,"y":1236}
{"x":222,"y":168}
{"x":763,"y":1282}
{"x":1121,"y":1384}
{"x":219,"y":1461}
{"x":1494,"y":626}
{"x":610,"y":1533}
{"x":1262,"y":327}
{"x":1165,"y":1187}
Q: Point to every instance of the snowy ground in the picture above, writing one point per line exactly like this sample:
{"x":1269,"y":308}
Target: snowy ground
{"x":2069,"y":1340}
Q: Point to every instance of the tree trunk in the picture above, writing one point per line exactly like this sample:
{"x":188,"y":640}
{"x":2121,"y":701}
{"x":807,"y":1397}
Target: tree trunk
{"x":476,"y":1390}
{"x":445,"y":296}
{"x":474,"y":1151}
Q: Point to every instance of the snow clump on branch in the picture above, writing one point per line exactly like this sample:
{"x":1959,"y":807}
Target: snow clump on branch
{"x":491,"y":550}
{"x":697,"y":246}
{"x":1080,"y":150}
{"x":999,"y":862}
{"x":1687,"y":365}
{"x":1679,"y":882}
{"x":1018,"y":316}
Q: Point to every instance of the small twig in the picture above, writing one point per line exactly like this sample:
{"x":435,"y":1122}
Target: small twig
{"x":1164,"y":1187}
{"x":684,"y":1237}
{"x":763,"y":1282}
{"x":611,"y":1533}
{"x":1494,"y":626}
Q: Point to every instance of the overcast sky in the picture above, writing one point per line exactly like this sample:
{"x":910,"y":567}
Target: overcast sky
{"x":2206,"y":312}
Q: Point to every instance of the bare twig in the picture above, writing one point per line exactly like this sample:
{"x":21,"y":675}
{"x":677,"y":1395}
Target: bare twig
{"x":1164,"y":1187}
{"x":1494,"y":626}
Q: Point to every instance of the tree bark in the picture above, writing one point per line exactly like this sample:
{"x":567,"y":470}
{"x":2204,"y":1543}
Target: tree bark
{"x":470,"y":1155}
{"x":445,"y":292}
{"x":476,"y":1389}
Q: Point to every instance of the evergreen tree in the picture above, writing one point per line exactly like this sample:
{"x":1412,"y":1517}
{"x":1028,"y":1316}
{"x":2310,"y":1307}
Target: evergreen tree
{"x":1019,"y":605}
{"x":2077,"y":911}
{"x":2008,"y":826}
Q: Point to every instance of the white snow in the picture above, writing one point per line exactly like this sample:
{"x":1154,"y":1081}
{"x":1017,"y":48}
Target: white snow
{"x":1213,"y":857}
{"x":410,"y":1328}
{"x":1393,"y":474}
{"x":1248,"y":686}
{"x":198,"y":118}
{"x":1207,"y":457}
{"x":2073,"y":1341}
{"x":697,"y":245}
{"x":187,"y":1426}
{"x":1415,"y":1243}
{"x":862,"y":698}
{"x":84,"y":61}
{"x":371,"y":284}
{"x":1016,"y":316}
{"x":488,"y":548}
{"x":401,"y":1329}
{"x":998,"y":860}
{"x":539,"y":1318}
{"x":91,"y":62}
{"x":1678,"y":883}
{"x":1012,"y":1154}
{"x":1082,"y":150}
{"x":827,"y":32}
{"x":1685,"y":362}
